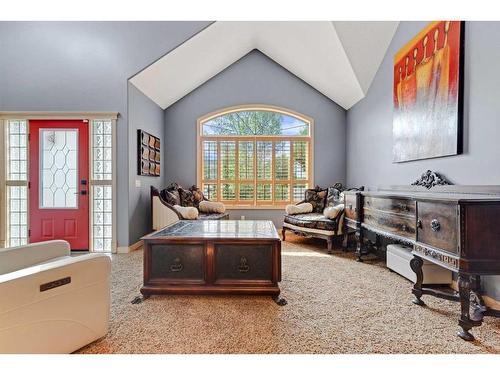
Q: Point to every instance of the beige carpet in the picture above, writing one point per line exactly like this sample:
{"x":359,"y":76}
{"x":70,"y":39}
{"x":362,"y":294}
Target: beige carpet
{"x":335,"y":305}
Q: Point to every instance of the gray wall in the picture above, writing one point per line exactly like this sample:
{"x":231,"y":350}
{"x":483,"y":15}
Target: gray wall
{"x":369,"y":123}
{"x":143,"y":114}
{"x":255,"y":79}
{"x":84,"y":66}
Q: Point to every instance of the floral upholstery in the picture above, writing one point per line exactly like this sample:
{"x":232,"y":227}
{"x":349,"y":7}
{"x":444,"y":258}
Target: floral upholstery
{"x":316,"y":197}
{"x":333,"y":196}
{"x":320,"y":199}
{"x":185,"y":197}
{"x":171,"y":197}
{"x":312,"y":220}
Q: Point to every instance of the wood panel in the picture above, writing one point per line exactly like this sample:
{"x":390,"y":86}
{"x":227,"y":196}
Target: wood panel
{"x":482,"y":239}
{"x":438,"y":225}
{"x":351,"y":207}
{"x":400,"y":225}
{"x":399,"y":206}
{"x":198,"y":266}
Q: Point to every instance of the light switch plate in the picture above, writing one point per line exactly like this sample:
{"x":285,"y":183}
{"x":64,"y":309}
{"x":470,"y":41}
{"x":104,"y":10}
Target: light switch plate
{"x":137,"y":183}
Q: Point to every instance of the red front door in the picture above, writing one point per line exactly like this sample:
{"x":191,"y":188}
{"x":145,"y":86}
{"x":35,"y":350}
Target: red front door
{"x":58,"y":175}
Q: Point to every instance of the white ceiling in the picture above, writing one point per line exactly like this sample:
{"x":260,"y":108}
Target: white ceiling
{"x":339,"y":59}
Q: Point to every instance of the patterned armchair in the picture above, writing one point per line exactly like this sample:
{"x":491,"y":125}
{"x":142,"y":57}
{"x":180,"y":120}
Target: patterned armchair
{"x":164,"y":203}
{"x":319,"y":223}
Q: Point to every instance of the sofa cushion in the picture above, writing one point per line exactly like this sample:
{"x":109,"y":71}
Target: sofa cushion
{"x":317,"y":198}
{"x":312,"y":220}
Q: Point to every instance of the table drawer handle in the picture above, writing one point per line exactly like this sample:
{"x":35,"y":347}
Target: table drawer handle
{"x":176,"y":266}
{"x":403,"y":207}
{"x":435,"y":225}
{"x":244,"y":267}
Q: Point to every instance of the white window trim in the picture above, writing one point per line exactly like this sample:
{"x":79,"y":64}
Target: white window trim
{"x":89,"y":116}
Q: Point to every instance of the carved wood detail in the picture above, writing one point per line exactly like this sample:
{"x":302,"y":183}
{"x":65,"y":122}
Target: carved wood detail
{"x":430,"y":179}
{"x":439,"y":256}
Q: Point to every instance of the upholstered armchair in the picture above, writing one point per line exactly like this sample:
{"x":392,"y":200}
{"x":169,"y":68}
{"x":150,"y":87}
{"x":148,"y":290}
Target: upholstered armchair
{"x":319,"y":215}
{"x":176,"y":203}
{"x":51,"y":302}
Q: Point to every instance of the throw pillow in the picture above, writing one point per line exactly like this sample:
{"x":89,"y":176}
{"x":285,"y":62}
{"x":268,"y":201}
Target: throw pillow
{"x":187,"y":197}
{"x":301,"y":208}
{"x":333,"y":196}
{"x":316,"y":197}
{"x":171,"y":197}
{"x":333,"y":211}
{"x":191,"y":197}
{"x":198,"y":195}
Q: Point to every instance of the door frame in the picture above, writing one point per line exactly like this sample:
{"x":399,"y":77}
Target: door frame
{"x":84,"y":116}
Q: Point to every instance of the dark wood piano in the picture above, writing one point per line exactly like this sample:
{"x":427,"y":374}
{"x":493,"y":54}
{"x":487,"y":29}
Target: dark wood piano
{"x":457,"y":227}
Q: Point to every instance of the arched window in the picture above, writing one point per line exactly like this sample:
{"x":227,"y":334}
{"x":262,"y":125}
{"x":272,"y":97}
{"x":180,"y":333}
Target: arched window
{"x":255,"y":156}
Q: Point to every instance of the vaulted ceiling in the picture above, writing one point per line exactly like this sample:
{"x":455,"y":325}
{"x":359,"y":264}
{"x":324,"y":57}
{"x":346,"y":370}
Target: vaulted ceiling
{"x":339,"y":59}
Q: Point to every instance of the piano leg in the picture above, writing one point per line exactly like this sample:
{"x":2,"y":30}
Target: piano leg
{"x":465,"y":322}
{"x":416,"y":265}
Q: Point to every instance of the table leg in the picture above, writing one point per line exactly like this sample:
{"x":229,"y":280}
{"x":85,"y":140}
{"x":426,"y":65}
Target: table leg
{"x":280,"y":301}
{"x":359,"y":244}
{"x":416,"y":265}
{"x":477,"y":304}
{"x":140,"y":299}
{"x":465,"y":322}
{"x":329,"y":245}
{"x":345,"y":240}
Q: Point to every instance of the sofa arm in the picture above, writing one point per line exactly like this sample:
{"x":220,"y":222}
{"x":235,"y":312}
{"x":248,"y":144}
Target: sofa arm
{"x":163,"y":214}
{"x":15,"y":258}
{"x":340,"y":225}
{"x":55,"y":307}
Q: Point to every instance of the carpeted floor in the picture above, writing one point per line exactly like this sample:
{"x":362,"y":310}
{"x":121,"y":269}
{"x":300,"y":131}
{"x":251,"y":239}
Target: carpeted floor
{"x":335,"y":305}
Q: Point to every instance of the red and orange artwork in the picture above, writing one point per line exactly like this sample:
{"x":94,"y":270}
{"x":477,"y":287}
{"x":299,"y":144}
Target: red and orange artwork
{"x":427,"y":99}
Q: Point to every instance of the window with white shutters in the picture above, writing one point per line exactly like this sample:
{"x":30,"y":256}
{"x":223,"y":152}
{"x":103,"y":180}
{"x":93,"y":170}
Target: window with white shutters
{"x":258,"y":157}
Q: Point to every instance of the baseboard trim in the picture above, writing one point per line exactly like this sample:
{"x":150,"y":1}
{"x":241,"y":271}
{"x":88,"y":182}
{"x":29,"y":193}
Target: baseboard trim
{"x":488,"y":301}
{"x":129,"y":249}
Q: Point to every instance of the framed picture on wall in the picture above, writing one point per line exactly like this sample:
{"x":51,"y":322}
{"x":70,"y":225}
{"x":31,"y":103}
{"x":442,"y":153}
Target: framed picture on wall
{"x":428,"y":93}
{"x":149,"y":154}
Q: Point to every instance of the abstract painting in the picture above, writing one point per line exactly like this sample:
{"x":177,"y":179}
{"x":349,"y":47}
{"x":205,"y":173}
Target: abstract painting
{"x":149,"y":154}
{"x":428,"y":80}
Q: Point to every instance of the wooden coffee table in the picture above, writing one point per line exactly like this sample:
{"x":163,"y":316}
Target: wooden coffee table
{"x":213,"y":257}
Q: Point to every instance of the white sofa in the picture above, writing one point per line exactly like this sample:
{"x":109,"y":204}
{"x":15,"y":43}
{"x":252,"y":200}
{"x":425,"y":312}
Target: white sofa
{"x":50,"y":301}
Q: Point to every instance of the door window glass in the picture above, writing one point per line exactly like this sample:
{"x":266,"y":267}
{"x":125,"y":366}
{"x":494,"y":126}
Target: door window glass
{"x":58,"y":168}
